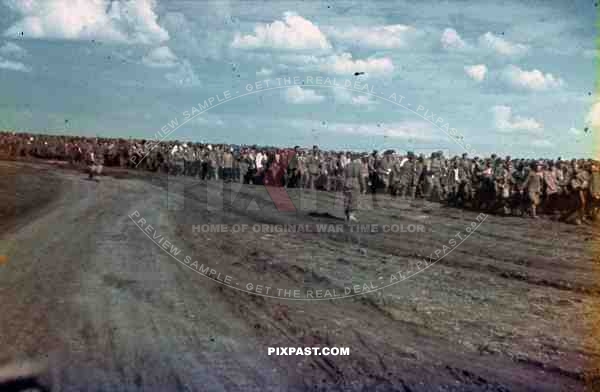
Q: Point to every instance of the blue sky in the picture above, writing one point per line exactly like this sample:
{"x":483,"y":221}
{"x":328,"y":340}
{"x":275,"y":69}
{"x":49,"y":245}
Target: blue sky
{"x":511,"y":77}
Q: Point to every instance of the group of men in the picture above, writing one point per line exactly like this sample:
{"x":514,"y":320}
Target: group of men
{"x":569,"y":189}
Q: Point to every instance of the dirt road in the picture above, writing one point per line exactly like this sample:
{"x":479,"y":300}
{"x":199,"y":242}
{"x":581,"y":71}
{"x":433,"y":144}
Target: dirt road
{"x":83,"y":285}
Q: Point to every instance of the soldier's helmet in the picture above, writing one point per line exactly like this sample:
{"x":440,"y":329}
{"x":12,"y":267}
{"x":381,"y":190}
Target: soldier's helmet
{"x":410,"y":154}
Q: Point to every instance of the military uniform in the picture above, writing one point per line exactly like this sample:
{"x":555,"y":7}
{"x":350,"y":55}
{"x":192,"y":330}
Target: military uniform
{"x":533,"y":187}
{"x":314,"y":170}
{"x":407,"y":183}
{"x":434,"y":175}
{"x":351,"y":188}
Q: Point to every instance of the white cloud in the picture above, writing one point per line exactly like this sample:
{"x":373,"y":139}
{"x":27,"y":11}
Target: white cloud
{"x":299,"y":95}
{"x":501,"y":46}
{"x":181,"y":72}
{"x":14,"y":65}
{"x":376,"y":37}
{"x":301,"y":59}
{"x":575,"y":131}
{"x":345,"y":96}
{"x":451,"y":40}
{"x":344,"y":65}
{"x":161,"y":57}
{"x":203,"y":35}
{"x":476,"y":72}
{"x":294,"y":32}
{"x":505,"y":121}
{"x":534,"y":80}
{"x":115,"y":21}
{"x":12,"y":49}
{"x":264,"y":72}
{"x":184,"y":76}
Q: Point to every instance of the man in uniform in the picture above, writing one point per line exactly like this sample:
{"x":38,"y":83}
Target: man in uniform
{"x":551,"y":187}
{"x":434,"y":174}
{"x":228,"y":164}
{"x":533,"y":187}
{"x":420,"y":166}
{"x":504,"y":184}
{"x":395,"y":176}
{"x":385,"y":170}
{"x":188,"y":161}
{"x":314,"y":167}
{"x":453,"y":182}
{"x":594,"y":193}
{"x":364,"y":174}
{"x":373,"y":163}
{"x":93,"y":160}
{"x":351,"y":189}
{"x":465,"y":172}
{"x":292,"y":169}
{"x":302,"y":169}
{"x":212,"y":163}
{"x":580,"y":184}
{"x":407,"y":180}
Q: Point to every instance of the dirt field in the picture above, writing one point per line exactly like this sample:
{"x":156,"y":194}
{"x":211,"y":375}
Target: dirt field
{"x":512,"y":308}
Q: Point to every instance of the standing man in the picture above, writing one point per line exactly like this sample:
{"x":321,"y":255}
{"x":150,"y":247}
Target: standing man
{"x":434,"y":175}
{"x":293,"y":169}
{"x":314,"y":163}
{"x":551,"y":187}
{"x":244,"y":165}
{"x":407,"y":180}
{"x":453,"y":183}
{"x":94,"y":160}
{"x":594,"y":193}
{"x":533,"y":186}
{"x":466,"y":175}
{"x":373,"y":172}
{"x":228,"y":165}
{"x":364,"y":174}
{"x":351,"y":189}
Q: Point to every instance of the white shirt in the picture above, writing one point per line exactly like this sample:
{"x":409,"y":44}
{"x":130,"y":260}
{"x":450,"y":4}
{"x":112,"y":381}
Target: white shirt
{"x":258,"y":160}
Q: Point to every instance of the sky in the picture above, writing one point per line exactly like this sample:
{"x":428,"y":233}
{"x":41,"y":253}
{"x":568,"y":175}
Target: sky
{"x":510,"y":77}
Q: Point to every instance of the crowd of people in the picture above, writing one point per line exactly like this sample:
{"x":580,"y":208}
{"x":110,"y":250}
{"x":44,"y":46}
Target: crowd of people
{"x":567,"y":189}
